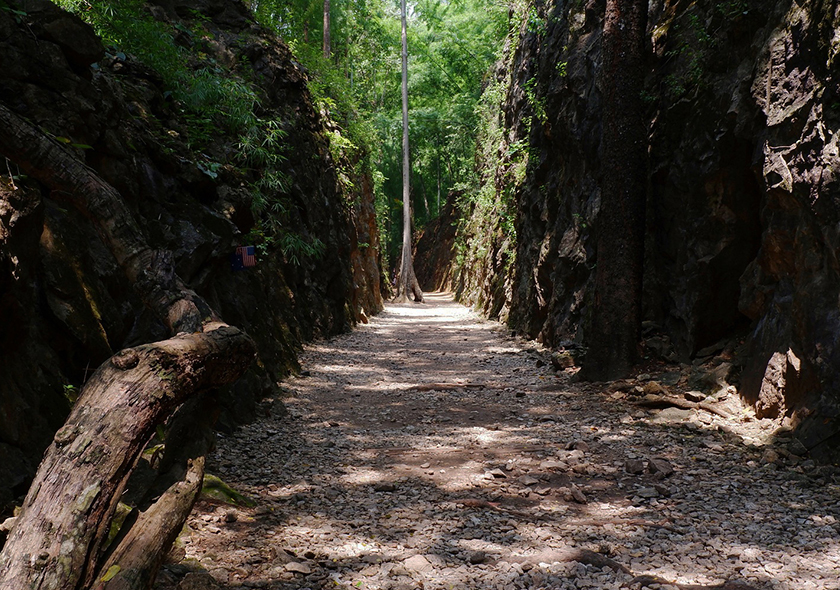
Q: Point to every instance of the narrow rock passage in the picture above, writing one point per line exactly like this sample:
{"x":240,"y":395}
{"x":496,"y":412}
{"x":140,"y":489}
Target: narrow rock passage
{"x":429,"y":449}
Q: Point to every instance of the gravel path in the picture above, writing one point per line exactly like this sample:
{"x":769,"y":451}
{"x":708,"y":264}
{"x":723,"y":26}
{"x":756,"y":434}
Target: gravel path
{"x":429,"y":449}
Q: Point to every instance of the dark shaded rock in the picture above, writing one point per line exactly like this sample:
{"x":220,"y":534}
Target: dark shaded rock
{"x":694,"y":396}
{"x":434,"y":253}
{"x":634,"y":466}
{"x":15,"y":475}
{"x":660,"y":466}
{"x":76,"y":39}
{"x":477,"y":557}
{"x":65,"y":306}
{"x":710,"y":379}
{"x":199,"y":581}
{"x":562,"y":360}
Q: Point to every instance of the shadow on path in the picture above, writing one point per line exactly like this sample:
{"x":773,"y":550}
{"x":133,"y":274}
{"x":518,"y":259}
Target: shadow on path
{"x":428,"y":449}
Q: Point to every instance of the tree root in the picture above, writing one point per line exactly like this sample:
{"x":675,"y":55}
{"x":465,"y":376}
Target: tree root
{"x":647,"y":580}
{"x":661,"y":401}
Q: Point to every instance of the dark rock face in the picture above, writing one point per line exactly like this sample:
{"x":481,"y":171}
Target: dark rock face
{"x":65,"y":306}
{"x":743,"y":209}
{"x":435,"y":249}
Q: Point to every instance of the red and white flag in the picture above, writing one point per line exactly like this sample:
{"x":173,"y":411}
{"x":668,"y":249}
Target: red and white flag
{"x":248,"y":255}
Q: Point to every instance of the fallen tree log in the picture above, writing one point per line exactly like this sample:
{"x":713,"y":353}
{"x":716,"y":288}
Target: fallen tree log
{"x":661,"y":401}
{"x":58,"y":541}
{"x":58,"y":537}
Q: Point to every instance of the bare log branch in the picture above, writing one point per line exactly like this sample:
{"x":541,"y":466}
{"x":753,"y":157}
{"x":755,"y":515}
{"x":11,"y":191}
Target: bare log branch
{"x":661,"y":401}
{"x":139,"y":555}
{"x":66,"y":514}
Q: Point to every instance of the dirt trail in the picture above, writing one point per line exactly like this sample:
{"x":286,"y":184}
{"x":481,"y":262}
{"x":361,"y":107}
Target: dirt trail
{"x":429,"y":449}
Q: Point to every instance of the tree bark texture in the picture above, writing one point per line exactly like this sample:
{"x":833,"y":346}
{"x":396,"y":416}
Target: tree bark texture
{"x":66,"y":515}
{"x":613,"y":339}
{"x":140,"y":553}
{"x":151,"y":271}
{"x":58,"y":539}
{"x":407,"y":285}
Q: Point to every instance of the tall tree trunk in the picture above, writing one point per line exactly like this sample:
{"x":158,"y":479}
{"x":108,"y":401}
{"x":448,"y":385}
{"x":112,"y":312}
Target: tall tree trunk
{"x":326,"y":29}
{"x":425,"y":196}
{"x":437,"y":153}
{"x":613,"y":339}
{"x":58,"y":540}
{"x":407,"y":284}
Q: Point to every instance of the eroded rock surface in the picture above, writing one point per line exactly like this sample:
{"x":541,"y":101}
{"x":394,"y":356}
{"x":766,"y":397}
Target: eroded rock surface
{"x":743,"y":209}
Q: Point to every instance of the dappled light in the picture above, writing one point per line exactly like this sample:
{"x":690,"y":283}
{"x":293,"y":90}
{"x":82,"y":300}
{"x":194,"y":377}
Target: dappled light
{"x":429,"y":449}
{"x":626,"y":374}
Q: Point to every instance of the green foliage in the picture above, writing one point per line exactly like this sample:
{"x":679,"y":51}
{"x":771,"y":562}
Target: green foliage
{"x":261,"y":149}
{"x":17,"y":14}
{"x":694,"y":45}
{"x":451,"y":46}
{"x":295,"y":248}
{"x":537,"y":101}
{"x":71,"y":392}
{"x":732,"y":8}
{"x":490,"y":196}
{"x":213,"y":100}
{"x":209,"y":95}
{"x":537,"y":24}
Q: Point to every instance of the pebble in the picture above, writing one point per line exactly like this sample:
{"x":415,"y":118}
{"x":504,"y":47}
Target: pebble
{"x":298,"y":568}
{"x":417,"y":563}
{"x":662,"y":466}
{"x":477,"y":557}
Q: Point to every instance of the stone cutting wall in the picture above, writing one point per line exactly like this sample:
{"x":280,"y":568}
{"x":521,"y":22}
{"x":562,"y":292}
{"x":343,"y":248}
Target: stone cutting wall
{"x":64,"y":304}
{"x":743,"y":107}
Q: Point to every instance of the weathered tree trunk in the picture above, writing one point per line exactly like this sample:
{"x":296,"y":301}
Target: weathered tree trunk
{"x":407,"y":284}
{"x":58,"y":540}
{"x":613,"y":338}
{"x":151,"y":271}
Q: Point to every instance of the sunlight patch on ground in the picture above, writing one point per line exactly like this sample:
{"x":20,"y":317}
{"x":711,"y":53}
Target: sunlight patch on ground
{"x":503,"y":350}
{"x":363,"y":476}
{"x":497,"y":477}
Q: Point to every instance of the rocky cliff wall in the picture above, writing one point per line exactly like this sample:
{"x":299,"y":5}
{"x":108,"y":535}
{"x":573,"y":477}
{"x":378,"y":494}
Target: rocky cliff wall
{"x":64,"y":304}
{"x":744,"y":202}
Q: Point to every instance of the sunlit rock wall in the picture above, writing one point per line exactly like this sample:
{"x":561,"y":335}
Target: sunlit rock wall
{"x":743,"y":108}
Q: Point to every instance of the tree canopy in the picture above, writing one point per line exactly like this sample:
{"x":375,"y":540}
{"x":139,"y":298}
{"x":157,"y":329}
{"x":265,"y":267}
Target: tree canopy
{"x":452,"y":46}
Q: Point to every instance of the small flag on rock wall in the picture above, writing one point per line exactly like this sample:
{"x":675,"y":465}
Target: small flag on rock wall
{"x":244,"y":257}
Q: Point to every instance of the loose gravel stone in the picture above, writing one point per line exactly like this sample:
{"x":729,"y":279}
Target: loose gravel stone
{"x":407,"y":461}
